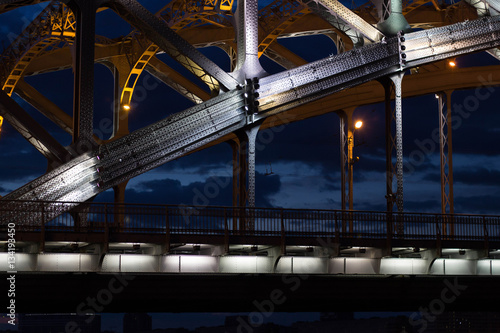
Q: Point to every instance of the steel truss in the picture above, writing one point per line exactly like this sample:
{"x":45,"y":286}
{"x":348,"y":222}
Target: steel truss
{"x":100,"y":167}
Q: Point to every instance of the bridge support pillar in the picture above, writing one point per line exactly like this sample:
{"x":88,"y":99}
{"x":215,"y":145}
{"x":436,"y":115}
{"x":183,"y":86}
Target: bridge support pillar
{"x":247,"y":36}
{"x":446,"y":160}
{"x":83,"y":109}
{"x":394,"y":143}
{"x":347,"y":158}
{"x":245,"y":174}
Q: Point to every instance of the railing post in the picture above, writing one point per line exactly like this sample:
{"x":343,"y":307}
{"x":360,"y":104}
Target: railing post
{"x":486,"y":238}
{"x":226,"y":233}
{"x":337,"y":232}
{"x":344,"y":228}
{"x":389,"y":223}
{"x":438,"y":237}
{"x":42,"y":229}
{"x":283,"y":246}
{"x":167,"y":231}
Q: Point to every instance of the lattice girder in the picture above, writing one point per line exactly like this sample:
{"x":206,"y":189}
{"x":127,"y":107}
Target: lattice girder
{"x":177,"y":135}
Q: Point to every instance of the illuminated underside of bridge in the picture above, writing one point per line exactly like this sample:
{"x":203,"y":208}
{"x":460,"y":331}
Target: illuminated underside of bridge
{"x":63,"y":242}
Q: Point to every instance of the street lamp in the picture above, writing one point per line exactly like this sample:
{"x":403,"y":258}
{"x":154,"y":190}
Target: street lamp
{"x":126,"y":107}
{"x":452,"y":62}
{"x":351,"y":160}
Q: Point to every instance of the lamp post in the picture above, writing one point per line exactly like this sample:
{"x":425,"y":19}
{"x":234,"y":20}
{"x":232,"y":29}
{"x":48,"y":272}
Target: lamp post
{"x":351,"y":160}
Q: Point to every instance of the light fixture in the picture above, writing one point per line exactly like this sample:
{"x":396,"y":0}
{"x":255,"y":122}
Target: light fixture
{"x":437,"y":96}
{"x":452,"y":62}
{"x":126,"y":107}
{"x":358,"y":124}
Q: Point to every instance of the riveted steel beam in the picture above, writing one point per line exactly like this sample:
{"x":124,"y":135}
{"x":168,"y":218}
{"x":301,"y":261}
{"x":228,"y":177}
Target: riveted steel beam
{"x":177,"y":135}
{"x":345,"y":20}
{"x":83,"y":96}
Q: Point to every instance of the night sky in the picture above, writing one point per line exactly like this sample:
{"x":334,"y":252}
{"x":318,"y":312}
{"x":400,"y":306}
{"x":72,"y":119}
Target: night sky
{"x":303,"y":156}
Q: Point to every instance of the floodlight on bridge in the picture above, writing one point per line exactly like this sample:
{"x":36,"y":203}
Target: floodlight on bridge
{"x":358,"y":124}
{"x":126,"y":107}
{"x":452,"y":63}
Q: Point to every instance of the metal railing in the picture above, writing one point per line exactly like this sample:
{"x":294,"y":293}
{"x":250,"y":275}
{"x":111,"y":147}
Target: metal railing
{"x":219,"y":220}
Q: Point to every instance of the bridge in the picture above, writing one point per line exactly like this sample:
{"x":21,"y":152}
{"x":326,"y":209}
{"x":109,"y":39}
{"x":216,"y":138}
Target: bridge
{"x":62,"y":238}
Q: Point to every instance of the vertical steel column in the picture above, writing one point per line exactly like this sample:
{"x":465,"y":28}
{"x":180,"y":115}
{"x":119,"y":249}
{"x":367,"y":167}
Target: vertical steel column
{"x":243,"y":167}
{"x":246,"y":171}
{"x":247,"y":37}
{"x":445,"y":152}
{"x":239,"y":179}
{"x":343,"y":161}
{"x":389,"y":144}
{"x":346,"y":156}
{"x":350,"y":157}
{"x":83,"y":99}
{"x":236,"y":171}
{"x":252,"y":137}
{"x":120,"y":114}
{"x":240,"y":155}
{"x":397,"y":80}
{"x":394,"y":142}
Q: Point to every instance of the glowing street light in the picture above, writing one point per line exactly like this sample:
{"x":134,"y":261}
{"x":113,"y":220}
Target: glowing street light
{"x":350,"y":161}
{"x":452,"y":63}
{"x":126,"y":107}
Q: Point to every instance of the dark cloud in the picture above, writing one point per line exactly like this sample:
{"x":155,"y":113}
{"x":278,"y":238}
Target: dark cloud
{"x":477,"y":176}
{"x":433,"y":177}
{"x":478,"y":204}
{"x":214,"y":191}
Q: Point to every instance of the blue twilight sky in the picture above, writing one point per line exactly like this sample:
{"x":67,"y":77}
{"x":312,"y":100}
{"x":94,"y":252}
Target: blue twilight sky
{"x":303,"y":157}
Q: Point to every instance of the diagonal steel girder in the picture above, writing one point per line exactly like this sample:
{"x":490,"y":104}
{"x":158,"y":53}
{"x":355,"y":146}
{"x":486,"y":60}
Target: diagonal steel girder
{"x":345,"y":20}
{"x":31,"y":130}
{"x":44,"y":105}
{"x":158,"y":31}
{"x":147,"y":148}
